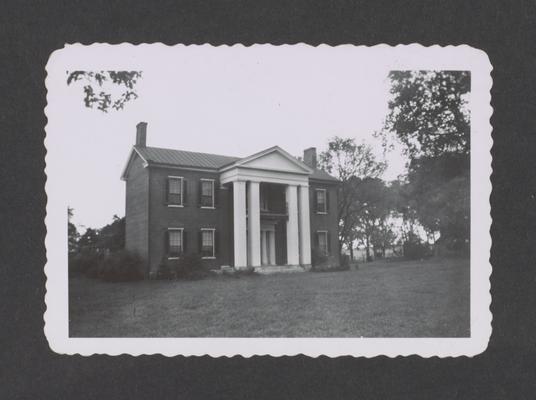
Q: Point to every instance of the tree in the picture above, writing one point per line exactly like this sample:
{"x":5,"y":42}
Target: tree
{"x":349,"y":162}
{"x":428,"y":112}
{"x":99,"y":86}
{"x":429,"y":116}
{"x":72,"y":233}
{"x":376,"y":203}
{"x":112,"y":236}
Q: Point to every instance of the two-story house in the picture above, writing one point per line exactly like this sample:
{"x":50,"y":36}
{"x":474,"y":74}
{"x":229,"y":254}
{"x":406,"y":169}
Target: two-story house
{"x":264,"y":210}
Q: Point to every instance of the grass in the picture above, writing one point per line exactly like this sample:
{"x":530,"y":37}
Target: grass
{"x":381,"y":299}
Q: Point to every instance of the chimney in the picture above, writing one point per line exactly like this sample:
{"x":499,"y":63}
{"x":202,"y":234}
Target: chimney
{"x":141,"y":134}
{"x":309,"y":157}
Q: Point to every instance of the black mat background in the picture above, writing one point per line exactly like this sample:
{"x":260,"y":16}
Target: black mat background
{"x":30,"y":31}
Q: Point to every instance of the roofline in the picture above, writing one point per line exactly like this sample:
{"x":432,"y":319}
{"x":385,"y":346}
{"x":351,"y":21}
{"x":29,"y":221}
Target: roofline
{"x":125,"y":169}
{"x":240,"y":162}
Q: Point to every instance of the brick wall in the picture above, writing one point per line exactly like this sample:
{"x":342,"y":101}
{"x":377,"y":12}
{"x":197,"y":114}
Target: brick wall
{"x":325,"y":222}
{"x":137,"y":209}
{"x":191,"y":217}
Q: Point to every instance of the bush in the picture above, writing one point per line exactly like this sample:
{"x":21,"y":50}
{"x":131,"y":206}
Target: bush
{"x":416,"y":250}
{"x":345,"y":262}
{"x":122,"y":266}
{"x":165,"y":270}
{"x":85,"y":261}
{"x":317,"y":258}
{"x":188,"y":266}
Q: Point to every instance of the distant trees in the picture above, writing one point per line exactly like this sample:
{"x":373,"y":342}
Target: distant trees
{"x":428,"y":114}
{"x":350,"y":163}
{"x":109,"y":238}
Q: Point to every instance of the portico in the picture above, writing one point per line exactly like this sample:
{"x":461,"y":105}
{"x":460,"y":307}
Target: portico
{"x":270,"y":190}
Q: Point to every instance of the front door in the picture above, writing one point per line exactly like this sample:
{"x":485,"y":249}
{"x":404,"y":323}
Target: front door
{"x":268,"y":245}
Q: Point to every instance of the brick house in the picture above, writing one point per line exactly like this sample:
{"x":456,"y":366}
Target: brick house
{"x":265,"y":210}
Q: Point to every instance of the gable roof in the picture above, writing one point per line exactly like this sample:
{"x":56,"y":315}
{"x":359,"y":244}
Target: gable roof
{"x":282,"y":154}
{"x":158,"y":156}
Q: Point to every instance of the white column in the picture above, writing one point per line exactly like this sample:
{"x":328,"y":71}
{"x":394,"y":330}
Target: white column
{"x":239,"y":215}
{"x":271,"y":243}
{"x":293,"y":240}
{"x":254,"y":224}
{"x":264,"y":244}
{"x":305,"y":225}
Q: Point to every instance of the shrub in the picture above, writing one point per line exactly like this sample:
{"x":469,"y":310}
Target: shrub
{"x":85,"y":261}
{"x":121,"y":266}
{"x":416,"y":250}
{"x":189,"y":266}
{"x":165,"y":270}
{"x":317,"y":258}
{"x":345,"y":262}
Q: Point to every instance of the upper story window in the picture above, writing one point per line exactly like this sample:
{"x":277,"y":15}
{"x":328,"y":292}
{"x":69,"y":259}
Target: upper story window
{"x":207,"y":193}
{"x":175,"y":242}
{"x":175,"y":192}
{"x":321,"y":201}
{"x":207,"y":243}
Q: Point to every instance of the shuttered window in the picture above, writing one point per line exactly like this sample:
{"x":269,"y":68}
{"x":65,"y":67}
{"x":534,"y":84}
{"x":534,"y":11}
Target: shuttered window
{"x":175,"y":192}
{"x":175,"y":242}
{"x":207,"y":243}
{"x":207,"y":193}
{"x":323,"y":242}
{"x":321,"y":201}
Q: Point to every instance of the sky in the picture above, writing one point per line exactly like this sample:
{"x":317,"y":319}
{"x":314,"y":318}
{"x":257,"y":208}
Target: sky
{"x":227,"y":100}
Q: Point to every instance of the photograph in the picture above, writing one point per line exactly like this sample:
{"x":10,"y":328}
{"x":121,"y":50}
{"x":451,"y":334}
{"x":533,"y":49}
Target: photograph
{"x":268,"y":200}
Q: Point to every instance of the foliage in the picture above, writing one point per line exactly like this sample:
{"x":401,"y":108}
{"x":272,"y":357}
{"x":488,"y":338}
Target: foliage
{"x":121,"y":266}
{"x":428,"y":111}
{"x":72,"y":232}
{"x":429,"y":115}
{"x":317,"y":257}
{"x":85,"y":262}
{"x":187,"y":266}
{"x":376,"y":203}
{"x":112,"y":236}
{"x":416,"y":250}
{"x":345,"y":262}
{"x":95,"y":83}
{"x":349,"y":162}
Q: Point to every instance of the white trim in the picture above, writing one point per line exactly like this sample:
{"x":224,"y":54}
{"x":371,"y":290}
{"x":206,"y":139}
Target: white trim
{"x":129,"y":159}
{"x":325,"y":201}
{"x":274,"y":149}
{"x":257,"y":175}
{"x":213,"y":256}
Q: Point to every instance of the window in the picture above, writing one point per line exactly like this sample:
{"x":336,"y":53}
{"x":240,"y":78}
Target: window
{"x":207,"y":243}
{"x":175,"y":191}
{"x":321,"y":201}
{"x":264,"y":200}
{"x":175,"y":242}
{"x":323,"y":242}
{"x":207,"y":193}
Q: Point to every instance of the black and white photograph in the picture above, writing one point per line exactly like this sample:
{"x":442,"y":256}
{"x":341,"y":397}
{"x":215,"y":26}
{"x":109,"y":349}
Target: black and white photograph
{"x":268,"y":200}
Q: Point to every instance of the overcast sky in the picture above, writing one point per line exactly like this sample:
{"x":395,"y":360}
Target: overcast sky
{"x":231,"y":101}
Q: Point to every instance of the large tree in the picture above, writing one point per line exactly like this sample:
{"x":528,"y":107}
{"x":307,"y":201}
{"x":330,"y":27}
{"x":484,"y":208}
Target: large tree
{"x":350,"y":163}
{"x":428,"y":114}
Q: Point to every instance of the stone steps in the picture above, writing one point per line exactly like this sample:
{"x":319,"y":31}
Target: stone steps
{"x":278,"y":269}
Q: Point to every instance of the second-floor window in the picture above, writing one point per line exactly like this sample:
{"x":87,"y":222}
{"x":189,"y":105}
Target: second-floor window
{"x":207,"y":193}
{"x":321,"y":201}
{"x":175,"y":191}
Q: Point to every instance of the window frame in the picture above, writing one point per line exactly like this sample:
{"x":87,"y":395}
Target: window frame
{"x":213,"y":256}
{"x":317,"y":190}
{"x":181,"y":230}
{"x":181,"y":178}
{"x":326,"y":233}
{"x":213,"y":206}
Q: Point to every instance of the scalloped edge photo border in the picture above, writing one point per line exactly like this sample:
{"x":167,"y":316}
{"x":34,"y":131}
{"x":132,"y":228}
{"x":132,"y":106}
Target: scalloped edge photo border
{"x":410,"y":57}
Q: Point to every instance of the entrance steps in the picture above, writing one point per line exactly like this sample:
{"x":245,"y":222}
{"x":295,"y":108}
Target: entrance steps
{"x":279,"y":269}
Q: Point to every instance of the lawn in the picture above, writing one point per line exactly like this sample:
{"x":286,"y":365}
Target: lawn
{"x":381,"y":299}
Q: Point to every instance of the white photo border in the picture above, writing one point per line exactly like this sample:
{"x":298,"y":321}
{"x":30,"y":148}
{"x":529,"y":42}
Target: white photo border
{"x":406,"y":57}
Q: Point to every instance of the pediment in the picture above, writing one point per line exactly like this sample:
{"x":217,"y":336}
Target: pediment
{"x":274,"y":159}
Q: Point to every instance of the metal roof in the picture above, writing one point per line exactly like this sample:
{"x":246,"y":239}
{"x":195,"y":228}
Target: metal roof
{"x":161,"y":156}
